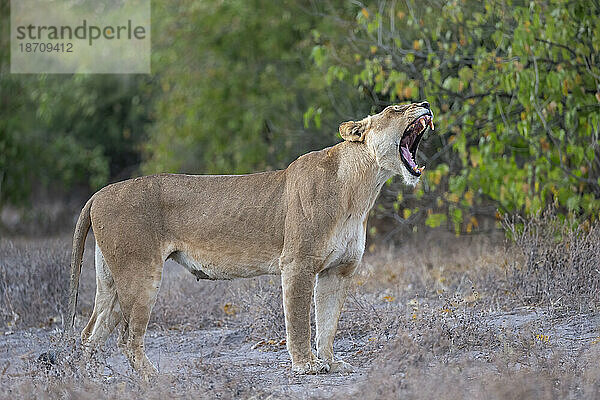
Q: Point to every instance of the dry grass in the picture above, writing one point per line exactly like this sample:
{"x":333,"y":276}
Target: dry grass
{"x":32,"y":282}
{"x":435,"y":317}
{"x":559,"y":263}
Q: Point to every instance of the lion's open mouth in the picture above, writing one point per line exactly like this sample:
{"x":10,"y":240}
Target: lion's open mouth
{"x":410,"y":142}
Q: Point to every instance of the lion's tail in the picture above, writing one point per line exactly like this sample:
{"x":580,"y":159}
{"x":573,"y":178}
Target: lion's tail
{"x":81,"y":230}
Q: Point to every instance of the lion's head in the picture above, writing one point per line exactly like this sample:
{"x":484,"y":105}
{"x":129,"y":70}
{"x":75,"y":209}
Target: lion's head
{"x":393,"y":137}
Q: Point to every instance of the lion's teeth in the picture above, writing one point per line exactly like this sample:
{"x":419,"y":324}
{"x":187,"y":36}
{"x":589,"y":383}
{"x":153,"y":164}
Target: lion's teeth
{"x":422,"y":121}
{"x":421,"y":168}
{"x":431,"y":125}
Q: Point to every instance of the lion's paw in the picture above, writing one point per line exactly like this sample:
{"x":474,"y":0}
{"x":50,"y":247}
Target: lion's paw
{"x":314,"y":366}
{"x":341,"y":367}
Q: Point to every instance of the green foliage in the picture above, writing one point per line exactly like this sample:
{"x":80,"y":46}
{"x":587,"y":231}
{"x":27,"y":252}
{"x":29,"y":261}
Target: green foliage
{"x":13,"y":152}
{"x":65,"y":130}
{"x":97,"y":123}
{"x":236,"y":83}
{"x":230,"y":92}
{"x":435,"y":220}
{"x":68,"y":130}
{"x":515,"y":88}
{"x":244,"y":86}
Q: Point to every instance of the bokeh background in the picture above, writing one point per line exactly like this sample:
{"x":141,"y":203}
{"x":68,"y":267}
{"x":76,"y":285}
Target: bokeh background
{"x":244,"y":86}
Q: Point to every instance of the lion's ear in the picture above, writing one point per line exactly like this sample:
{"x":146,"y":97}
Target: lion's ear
{"x":355,"y":131}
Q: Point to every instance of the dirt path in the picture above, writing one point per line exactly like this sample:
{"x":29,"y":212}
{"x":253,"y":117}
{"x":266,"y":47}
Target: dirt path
{"x":412,"y":331}
{"x":221,"y":359}
{"x":210,"y":357}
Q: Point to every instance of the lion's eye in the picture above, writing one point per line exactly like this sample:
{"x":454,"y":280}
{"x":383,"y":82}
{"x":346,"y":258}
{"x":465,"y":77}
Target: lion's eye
{"x":397,"y":108}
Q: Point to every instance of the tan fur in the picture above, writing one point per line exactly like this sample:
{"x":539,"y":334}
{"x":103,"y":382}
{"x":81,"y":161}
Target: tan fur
{"x":307,"y":223}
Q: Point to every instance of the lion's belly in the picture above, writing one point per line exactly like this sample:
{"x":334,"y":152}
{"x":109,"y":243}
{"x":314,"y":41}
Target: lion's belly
{"x":218,"y":266}
{"x":210,"y":261}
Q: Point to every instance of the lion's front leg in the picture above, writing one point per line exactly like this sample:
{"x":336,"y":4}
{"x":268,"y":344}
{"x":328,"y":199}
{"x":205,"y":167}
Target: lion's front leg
{"x":330,"y":293}
{"x":297,"y":282}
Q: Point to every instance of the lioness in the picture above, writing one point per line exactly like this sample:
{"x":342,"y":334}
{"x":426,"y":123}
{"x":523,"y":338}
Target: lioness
{"x":307,"y":223}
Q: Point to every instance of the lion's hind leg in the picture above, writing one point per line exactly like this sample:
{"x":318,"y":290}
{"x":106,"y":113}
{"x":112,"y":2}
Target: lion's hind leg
{"x":107,"y":313}
{"x":137,"y":286}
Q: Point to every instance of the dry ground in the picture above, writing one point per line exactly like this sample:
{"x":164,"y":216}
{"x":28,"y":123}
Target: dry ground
{"x":434,"y":317}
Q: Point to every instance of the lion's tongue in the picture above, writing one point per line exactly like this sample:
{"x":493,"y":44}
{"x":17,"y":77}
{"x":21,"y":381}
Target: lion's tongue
{"x":407,"y":156}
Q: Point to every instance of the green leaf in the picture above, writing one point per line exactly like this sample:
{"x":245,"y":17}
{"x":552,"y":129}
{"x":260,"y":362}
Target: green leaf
{"x":573,"y":203}
{"x":435,"y":220}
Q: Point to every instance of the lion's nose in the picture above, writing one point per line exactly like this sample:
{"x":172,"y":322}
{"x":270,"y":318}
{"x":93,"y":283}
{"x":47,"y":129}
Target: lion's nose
{"x":425,"y":104}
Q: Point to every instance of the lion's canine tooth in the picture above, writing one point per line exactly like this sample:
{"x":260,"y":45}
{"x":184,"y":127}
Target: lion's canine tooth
{"x":422,"y":121}
{"x":431,"y":124}
{"x":418,"y":169}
